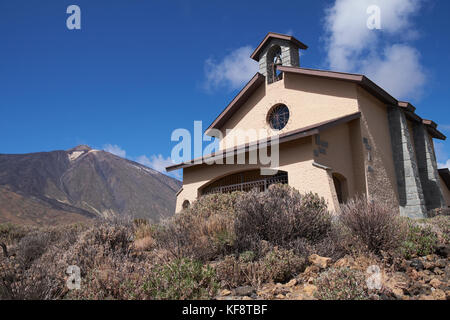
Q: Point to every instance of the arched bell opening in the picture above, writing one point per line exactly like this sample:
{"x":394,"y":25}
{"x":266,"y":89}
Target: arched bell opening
{"x":274,"y":60}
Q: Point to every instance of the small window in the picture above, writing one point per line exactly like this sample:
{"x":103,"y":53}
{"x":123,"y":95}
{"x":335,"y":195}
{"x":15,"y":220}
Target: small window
{"x":186,"y":204}
{"x":278,"y":117}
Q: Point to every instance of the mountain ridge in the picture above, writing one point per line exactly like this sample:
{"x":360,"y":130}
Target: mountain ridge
{"x":82,"y":181}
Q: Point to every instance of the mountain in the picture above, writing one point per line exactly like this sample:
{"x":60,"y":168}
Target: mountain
{"x":49,"y":188}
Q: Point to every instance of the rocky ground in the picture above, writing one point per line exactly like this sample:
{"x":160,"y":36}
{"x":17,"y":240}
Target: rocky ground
{"x":422,"y":278}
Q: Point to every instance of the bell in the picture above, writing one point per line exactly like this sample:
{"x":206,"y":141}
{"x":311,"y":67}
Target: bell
{"x":278,"y":61}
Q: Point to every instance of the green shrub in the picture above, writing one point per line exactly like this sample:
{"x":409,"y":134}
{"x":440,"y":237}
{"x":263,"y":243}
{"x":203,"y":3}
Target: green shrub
{"x":281,"y":265}
{"x":181,"y":279}
{"x":280,"y":216}
{"x":247,"y":256}
{"x":420,"y":241}
{"x":341,"y":284}
{"x":278,"y":265}
{"x":441,"y":226}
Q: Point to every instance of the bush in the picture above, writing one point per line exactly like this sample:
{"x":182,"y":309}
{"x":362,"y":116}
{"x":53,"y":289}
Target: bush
{"x":36,"y":272}
{"x":441,"y":226}
{"x":281,"y":265}
{"x":247,"y":256}
{"x":372,"y":223}
{"x":222,"y":204}
{"x":32,"y":247}
{"x":144,"y":235}
{"x":280,"y":216}
{"x":10,"y":233}
{"x":341,"y":284}
{"x":115,"y":277}
{"x":278,"y":265}
{"x":39,"y":269}
{"x":181,"y":279}
{"x":203,"y":232}
{"x":439,"y":212}
{"x":420,"y":241}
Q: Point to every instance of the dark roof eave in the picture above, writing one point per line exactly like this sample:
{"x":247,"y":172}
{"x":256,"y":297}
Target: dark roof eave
{"x":238,"y":101}
{"x":372,"y":88}
{"x":435,"y":133}
{"x":429,"y":124}
{"x":445,"y":175}
{"x":283,"y":138}
{"x":299,"y":44}
{"x":359,"y":79}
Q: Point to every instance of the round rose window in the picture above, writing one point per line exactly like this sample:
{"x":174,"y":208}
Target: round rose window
{"x":278,"y":117}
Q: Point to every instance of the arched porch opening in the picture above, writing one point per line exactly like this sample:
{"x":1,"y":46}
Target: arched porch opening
{"x":244,"y":181}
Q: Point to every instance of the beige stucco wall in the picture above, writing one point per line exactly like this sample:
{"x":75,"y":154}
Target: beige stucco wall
{"x":445,"y":192}
{"x":381,"y":182}
{"x":296,"y":158}
{"x":310,"y":101}
{"x":358,"y":158}
{"x":342,"y":155}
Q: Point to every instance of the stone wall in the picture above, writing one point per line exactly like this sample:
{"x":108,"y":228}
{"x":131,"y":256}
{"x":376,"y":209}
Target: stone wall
{"x":428,"y":173}
{"x":289,"y":57}
{"x":410,"y":193}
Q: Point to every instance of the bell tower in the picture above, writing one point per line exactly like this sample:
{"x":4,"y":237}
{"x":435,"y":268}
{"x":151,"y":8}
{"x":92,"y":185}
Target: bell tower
{"x":275,"y":50}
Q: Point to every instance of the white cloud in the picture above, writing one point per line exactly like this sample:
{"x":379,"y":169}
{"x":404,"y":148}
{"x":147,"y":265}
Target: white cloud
{"x":158,"y":163}
{"x":353,"y":47}
{"x":399,"y":71}
{"x":442,"y":156}
{"x":232,"y":72}
{"x":115,"y":149}
{"x":444,"y":165}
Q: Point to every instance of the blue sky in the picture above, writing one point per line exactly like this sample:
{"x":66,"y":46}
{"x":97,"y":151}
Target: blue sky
{"x":138,"y":69}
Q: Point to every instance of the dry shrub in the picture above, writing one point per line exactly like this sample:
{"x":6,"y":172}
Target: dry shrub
{"x":278,"y":265}
{"x":144,"y":244}
{"x":144,"y":235}
{"x":439,"y":212}
{"x":204,"y":232}
{"x":143,"y":229}
{"x":280,"y":216}
{"x":281,"y":265}
{"x":37,"y":271}
{"x":374,"y":224}
{"x":440,"y":225}
{"x":121,"y":278}
{"x":114,"y":277}
{"x":11,"y":233}
{"x":110,"y":267}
